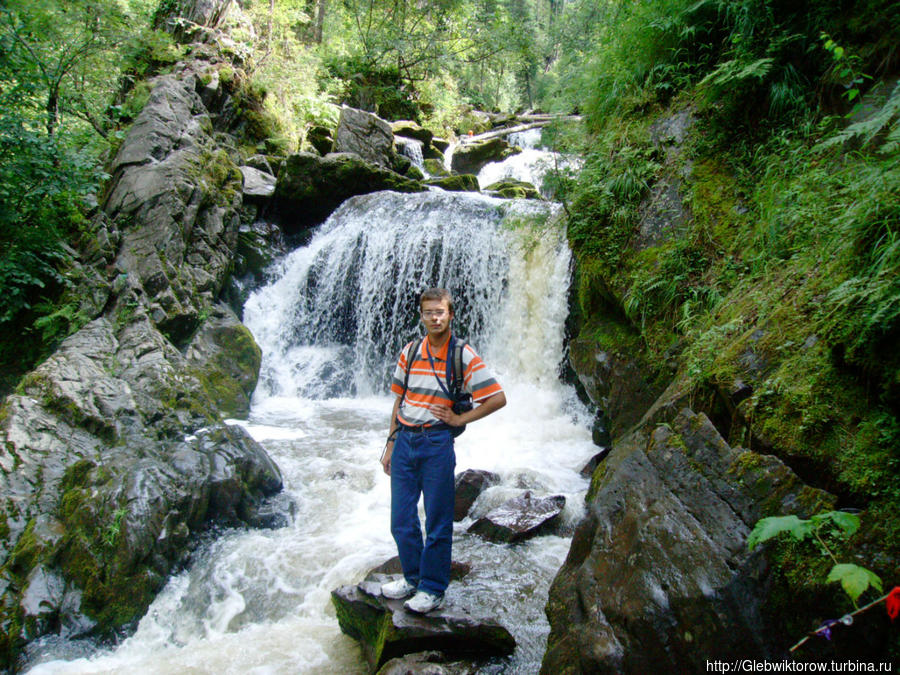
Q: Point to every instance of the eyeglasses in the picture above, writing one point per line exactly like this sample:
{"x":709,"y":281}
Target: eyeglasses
{"x":436,"y":313}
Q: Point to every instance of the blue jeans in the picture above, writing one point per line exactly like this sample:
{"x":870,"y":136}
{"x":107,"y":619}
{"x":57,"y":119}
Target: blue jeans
{"x":423,"y":463}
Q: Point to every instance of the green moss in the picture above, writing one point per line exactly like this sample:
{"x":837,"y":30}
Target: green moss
{"x":136,"y":100}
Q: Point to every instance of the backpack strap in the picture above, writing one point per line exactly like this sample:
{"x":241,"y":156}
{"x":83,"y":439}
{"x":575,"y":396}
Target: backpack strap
{"x":456,"y":358}
{"x":414,"y":348}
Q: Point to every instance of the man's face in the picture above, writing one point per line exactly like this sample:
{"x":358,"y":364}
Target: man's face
{"x":436,"y":316}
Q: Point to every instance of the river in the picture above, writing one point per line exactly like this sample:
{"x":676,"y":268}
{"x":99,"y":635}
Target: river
{"x":330,"y":323}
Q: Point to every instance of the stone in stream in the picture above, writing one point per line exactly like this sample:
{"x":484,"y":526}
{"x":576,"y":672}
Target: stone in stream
{"x":386,"y":630}
{"x":510,"y":188}
{"x":469,"y":484}
{"x":520,"y":518}
{"x":472,"y":156}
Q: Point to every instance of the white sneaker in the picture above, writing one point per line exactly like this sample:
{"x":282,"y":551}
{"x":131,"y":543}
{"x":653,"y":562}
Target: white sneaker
{"x":423,"y":602}
{"x":397,"y":589}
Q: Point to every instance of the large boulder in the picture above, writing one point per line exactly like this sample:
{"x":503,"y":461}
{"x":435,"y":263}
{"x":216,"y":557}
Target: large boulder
{"x":366,"y":135}
{"x":113,"y":454}
{"x":659,"y":577}
{"x":386,"y":630}
{"x":311,"y":187}
{"x":472,"y":156}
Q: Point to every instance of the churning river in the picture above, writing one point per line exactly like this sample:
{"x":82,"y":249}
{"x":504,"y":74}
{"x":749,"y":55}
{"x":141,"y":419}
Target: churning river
{"x":330,"y":323}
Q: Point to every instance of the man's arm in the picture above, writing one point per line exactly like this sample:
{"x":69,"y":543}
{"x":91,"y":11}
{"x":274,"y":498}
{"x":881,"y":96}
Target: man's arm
{"x":489,"y":405}
{"x":389,"y":446}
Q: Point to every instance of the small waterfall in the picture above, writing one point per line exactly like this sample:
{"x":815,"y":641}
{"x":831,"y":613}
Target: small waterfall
{"x":411,"y":148}
{"x":330,"y":324}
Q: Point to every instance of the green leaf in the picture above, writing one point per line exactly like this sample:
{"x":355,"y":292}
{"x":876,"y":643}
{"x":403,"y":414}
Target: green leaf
{"x":767,"y":528}
{"x":854,"y":579}
{"x":838,"y":52}
{"x":848,"y":522}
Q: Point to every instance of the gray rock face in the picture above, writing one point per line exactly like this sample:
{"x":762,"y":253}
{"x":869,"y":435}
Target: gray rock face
{"x":257,"y":184}
{"x":175,"y":197}
{"x":659,"y":578}
{"x":618,"y":380}
{"x":386,"y":630}
{"x":104,"y":476}
{"x":519,"y":519}
{"x":365,"y":134}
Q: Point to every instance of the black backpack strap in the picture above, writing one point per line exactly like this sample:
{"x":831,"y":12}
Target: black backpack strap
{"x":414,"y":348}
{"x":457,"y":358}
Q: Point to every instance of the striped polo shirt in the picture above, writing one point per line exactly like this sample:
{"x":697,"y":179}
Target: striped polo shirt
{"x":424,"y":390}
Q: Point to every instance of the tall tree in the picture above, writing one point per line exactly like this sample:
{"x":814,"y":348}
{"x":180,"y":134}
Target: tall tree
{"x":58,"y":57}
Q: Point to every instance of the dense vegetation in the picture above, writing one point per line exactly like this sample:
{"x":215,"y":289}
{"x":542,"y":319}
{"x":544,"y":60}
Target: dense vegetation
{"x":788,"y":249}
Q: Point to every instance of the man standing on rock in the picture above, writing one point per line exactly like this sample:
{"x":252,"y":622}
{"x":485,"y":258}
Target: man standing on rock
{"x":419,"y":455}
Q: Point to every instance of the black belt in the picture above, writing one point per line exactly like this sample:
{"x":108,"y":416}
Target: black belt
{"x":423,"y":428}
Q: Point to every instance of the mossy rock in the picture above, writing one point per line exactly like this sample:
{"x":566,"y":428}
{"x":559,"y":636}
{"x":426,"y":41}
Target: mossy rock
{"x":311,"y":187}
{"x":409,"y":129}
{"x":414,"y":173}
{"x":321,"y":138}
{"x":460,"y":183}
{"x":510,"y":188}
{"x":435,"y":167}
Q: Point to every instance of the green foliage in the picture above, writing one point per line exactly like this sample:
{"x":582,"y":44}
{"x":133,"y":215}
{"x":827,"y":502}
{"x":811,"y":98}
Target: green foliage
{"x":855,"y":580}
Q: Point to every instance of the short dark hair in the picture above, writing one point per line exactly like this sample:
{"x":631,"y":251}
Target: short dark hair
{"x":437,"y":294}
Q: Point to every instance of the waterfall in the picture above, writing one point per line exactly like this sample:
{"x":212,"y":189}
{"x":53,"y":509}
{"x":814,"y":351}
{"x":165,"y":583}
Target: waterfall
{"x":411,"y":148}
{"x":331,"y":324}
{"x":530,"y":165}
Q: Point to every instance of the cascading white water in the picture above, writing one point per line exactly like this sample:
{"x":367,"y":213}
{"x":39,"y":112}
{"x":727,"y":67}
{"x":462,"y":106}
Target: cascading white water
{"x":411,"y":149}
{"x":530,"y":165}
{"x":330,"y":325}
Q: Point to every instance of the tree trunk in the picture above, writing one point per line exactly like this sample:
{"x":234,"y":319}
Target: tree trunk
{"x":320,"y":21}
{"x":52,"y":112}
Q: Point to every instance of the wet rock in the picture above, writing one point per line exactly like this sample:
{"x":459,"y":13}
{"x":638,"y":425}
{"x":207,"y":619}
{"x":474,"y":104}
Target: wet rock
{"x":469,"y":484}
{"x":366,"y":135}
{"x":510,"y":188}
{"x":661,"y":560}
{"x":520,"y":518}
{"x":310,"y":187}
{"x":458,"y":570}
{"x":386,"y":630}
{"x":471,"y":157}
{"x":426,"y":663}
{"x":227,"y":359}
{"x":440,"y":144}
{"x":456,"y":183}
{"x":104,"y":433}
{"x":257,"y":184}
{"x":588,"y":469}
{"x":615,"y":375}
{"x":409,"y":129}
{"x":435,"y":167}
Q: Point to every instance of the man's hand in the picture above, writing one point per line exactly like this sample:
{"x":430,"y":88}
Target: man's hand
{"x":446,"y":415}
{"x":386,"y":457}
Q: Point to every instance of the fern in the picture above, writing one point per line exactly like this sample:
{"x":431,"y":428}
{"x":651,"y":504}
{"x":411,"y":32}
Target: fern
{"x":886,"y":120}
{"x":733,"y":73}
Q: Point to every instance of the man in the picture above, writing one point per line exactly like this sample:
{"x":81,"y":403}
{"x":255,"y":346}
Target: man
{"x":419,"y":454}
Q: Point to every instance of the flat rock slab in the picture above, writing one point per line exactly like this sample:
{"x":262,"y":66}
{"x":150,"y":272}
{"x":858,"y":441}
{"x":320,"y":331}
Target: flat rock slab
{"x":386,"y":630}
{"x":520,"y":518}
